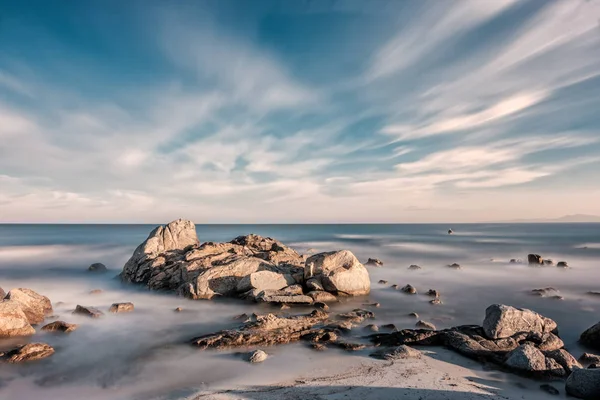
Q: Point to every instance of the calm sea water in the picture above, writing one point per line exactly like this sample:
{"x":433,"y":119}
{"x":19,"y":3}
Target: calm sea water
{"x":143,"y":355}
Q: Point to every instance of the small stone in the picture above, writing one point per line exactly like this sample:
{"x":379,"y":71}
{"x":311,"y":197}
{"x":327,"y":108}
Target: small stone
{"x":284,"y":307}
{"x":97,"y":267}
{"x":436,"y":302}
{"x":414,"y":267}
{"x":178,"y":309}
{"x":562,"y":264}
{"x":59,"y":326}
{"x":425,"y":325}
{"x":382,"y":282}
{"x":396,"y":353}
{"x":88,"y":311}
{"x":376,"y":305}
{"x":348,"y":346}
{"x":318,"y":346}
{"x":121,"y":307}
{"x":433,"y":292}
{"x":454,"y":266}
{"x":375,"y":262}
{"x":549,"y":389}
{"x":257,"y":356}
{"x":389,"y":327}
{"x":372,"y":328}
{"x":557,"y":297}
{"x":409,"y":289}
{"x":414,"y":315}
{"x":548,"y":262}
{"x":395,"y":287}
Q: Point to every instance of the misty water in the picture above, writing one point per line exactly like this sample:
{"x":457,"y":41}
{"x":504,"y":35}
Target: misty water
{"x":145,"y":355}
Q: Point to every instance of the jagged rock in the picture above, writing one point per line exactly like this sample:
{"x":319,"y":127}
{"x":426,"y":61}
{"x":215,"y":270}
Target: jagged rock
{"x":503,"y":321}
{"x":34,"y":305}
{"x":414,"y":267}
{"x":97,"y":267}
{"x":535,"y":259}
{"x":28,"y":352}
{"x":269,"y":249}
{"x":591,"y":337}
{"x":382,"y":282}
{"x":425,"y":325}
{"x":546,"y":341}
{"x":276,"y":296}
{"x":257,"y":356}
{"x":324,"y":297}
{"x":121,"y":307}
{"x":527,"y":358}
{"x":59,"y":326}
{"x":13,"y":321}
{"x":265,"y":280}
{"x":88,"y":311}
{"x":454,"y":266}
{"x":395,"y":287}
{"x":409,"y":289}
{"x":549,"y":389}
{"x":564,"y":359}
{"x":396,"y":353}
{"x":314,"y":284}
{"x":321,"y":335}
{"x":584,"y":384}
{"x":433,"y":292}
{"x":268,"y":329}
{"x":340,"y":272}
{"x":374,"y":262}
{"x":562,"y":264}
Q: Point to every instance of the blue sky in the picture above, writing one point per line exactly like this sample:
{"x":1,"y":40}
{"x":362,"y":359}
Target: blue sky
{"x":299,"y":111}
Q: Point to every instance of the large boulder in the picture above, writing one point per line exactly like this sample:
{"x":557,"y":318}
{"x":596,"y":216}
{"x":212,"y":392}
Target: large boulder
{"x":503,"y":321}
{"x":591,"y":337}
{"x":34,"y":305}
{"x":340,"y":272}
{"x":584,"y":384}
{"x":13,"y":321}
{"x":176,"y":236}
{"x":528,"y":358}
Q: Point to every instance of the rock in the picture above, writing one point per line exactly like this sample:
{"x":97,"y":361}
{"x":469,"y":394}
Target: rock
{"x":591,"y":337}
{"x":357,"y":315}
{"x":340,"y":273}
{"x":425,"y":325}
{"x":548,"y":262}
{"x":267,"y":329}
{"x":349,"y":346}
{"x":178,"y":309}
{"x":414,"y":267}
{"x":374,"y":262}
{"x":274,"y":297}
{"x":562,"y":264}
{"x":314,"y":284}
{"x":588,"y":358}
{"x":436,"y":302}
{"x":59,"y":326}
{"x":395,"y":287}
{"x":2,"y":293}
{"x":121,"y":307}
{"x":454,"y":266}
{"x":88,"y":311}
{"x":527,"y":358}
{"x":13,"y":321}
{"x":409,"y":289}
{"x":96,"y":291}
{"x":284,"y":307}
{"x":450,"y":231}
{"x":382,"y":282}
{"x":376,"y":305}
{"x":324,"y":297}
{"x":593,"y":293}
{"x":97,"y":267}
{"x":535,"y":259}
{"x":423,"y":337}
{"x":503,"y":321}
{"x":413,"y":314}
{"x":265,"y":280}
{"x":174,"y":237}
{"x":396,"y":353}
{"x":549,"y":389}
{"x":433,"y":292}
{"x":319,"y":346}
{"x":557,"y":297}
{"x":257,"y":356}
{"x":544,"y":291}
{"x":321,"y":306}
{"x":584,"y":384}
{"x":515,"y":261}
{"x":28,"y":352}
{"x":547,"y":341}
{"x":564,"y":359}
{"x":372,"y":328}
{"x":34,"y":305}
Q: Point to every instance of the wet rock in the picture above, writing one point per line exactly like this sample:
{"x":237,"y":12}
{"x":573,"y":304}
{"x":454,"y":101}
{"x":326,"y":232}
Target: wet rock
{"x":88,"y":311}
{"x":240,"y":317}
{"x":28,"y":352}
{"x":13,"y":321}
{"x":396,"y":353}
{"x":321,"y":335}
{"x":413,"y":314}
{"x":593,"y":293}
{"x":454,"y":266}
{"x":382,"y":282}
{"x":502,"y":321}
{"x":324,"y":297}
{"x":414,"y":267}
{"x":527,"y":358}
{"x":287,"y":296}
{"x":318,"y":346}
{"x":374,"y":262}
{"x":584,"y":384}
{"x":97,"y":267}
{"x":59,"y":326}
{"x":549,"y":389}
{"x":562,"y":264}
{"x":591,"y":337}
{"x":409,"y":289}
{"x":267,"y":329}
{"x":34,"y":305}
{"x":121,"y":307}
{"x":349,"y":346}
{"x":433,"y":292}
{"x":436,"y":302}
{"x":96,"y":291}
{"x":425,"y":325}
{"x":257,"y":356}
{"x":340,"y":272}
{"x":535,"y":259}
{"x":321,"y":306}
{"x":557,"y":297}
{"x":450,"y":231}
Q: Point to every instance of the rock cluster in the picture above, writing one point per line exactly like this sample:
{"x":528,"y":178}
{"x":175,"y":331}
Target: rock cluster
{"x":252,"y":267}
{"x":20,"y":309}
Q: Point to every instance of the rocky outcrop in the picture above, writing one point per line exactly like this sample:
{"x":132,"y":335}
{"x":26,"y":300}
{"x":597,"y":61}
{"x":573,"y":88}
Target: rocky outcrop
{"x":340,"y":272}
{"x":584,"y":384}
{"x":28,"y":352}
{"x":503,"y":321}
{"x":13,"y":321}
{"x":34,"y":305}
{"x":59,"y":326}
{"x":121,"y":307}
{"x":591,"y":337}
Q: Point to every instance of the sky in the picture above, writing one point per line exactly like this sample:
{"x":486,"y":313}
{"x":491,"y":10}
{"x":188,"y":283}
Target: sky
{"x":299,"y":111}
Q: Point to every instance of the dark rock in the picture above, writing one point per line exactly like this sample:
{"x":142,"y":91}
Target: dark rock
{"x":535,"y":259}
{"x":591,"y":337}
{"x":88,"y":311}
{"x":544,"y":291}
{"x":584,"y":384}
{"x":414,"y":267}
{"x":588,"y":358}
{"x":28,"y":352}
{"x":349,"y":346}
{"x":395,"y":287}
{"x":97,"y":267}
{"x":593,"y":293}
{"x":321,"y":306}
{"x":450,"y":231}
{"x":374,"y":262}
{"x":121,"y":307}
{"x":454,"y":266}
{"x":389,"y":327}
{"x":549,"y":389}
{"x":423,"y":337}
{"x":548,"y":262}
{"x":59,"y":326}
{"x":436,"y":302}
{"x":240,"y":317}
{"x":409,"y":289}
{"x":382,"y":282}
{"x":433,"y":292}
{"x":562,"y":264}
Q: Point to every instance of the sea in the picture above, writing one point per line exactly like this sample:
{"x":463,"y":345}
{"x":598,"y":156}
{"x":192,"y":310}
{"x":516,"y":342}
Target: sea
{"x":145,"y":354}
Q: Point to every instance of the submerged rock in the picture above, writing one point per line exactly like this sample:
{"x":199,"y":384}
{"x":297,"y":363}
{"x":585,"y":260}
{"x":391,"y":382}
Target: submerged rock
{"x":433,"y":292}
{"x":503,"y":321}
{"x":34,"y":305}
{"x":549,"y":389}
{"x":28,"y":352}
{"x":88,"y":311}
{"x":97,"y":267}
{"x":13,"y":321}
{"x":383,"y":282}
{"x":121,"y":307}
{"x":59,"y":326}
